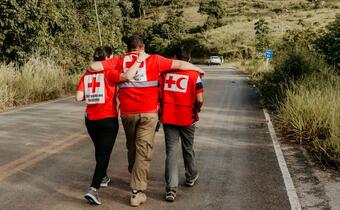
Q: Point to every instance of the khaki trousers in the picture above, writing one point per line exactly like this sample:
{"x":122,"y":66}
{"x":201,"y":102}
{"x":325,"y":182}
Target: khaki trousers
{"x":140,"y":135}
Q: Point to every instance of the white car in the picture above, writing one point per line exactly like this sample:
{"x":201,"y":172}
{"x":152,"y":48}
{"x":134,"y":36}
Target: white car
{"x":215,"y":60}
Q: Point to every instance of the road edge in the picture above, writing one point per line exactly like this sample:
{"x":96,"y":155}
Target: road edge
{"x":288,"y":181}
{"x":28,"y":106}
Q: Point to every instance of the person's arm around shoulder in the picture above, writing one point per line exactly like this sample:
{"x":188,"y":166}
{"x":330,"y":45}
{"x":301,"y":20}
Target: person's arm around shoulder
{"x":131,"y":72}
{"x":183,"y":65}
{"x":99,"y":65}
{"x":116,"y":76}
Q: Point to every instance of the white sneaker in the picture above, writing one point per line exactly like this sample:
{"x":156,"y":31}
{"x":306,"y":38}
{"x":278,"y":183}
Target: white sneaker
{"x":105,"y":181}
{"x":92,"y":197}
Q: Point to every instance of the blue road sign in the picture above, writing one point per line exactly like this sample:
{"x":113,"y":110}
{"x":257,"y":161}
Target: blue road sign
{"x":269,"y":54}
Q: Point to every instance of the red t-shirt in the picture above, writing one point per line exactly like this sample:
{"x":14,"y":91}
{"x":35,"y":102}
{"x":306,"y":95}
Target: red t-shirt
{"x":100,"y":93}
{"x":178,"y":92}
{"x":141,"y":94}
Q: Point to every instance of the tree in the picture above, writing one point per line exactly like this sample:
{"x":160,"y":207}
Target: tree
{"x":215,"y":10}
{"x":64,"y":29}
{"x":328,"y":43}
{"x":163,"y":34}
{"x":261,"y":35}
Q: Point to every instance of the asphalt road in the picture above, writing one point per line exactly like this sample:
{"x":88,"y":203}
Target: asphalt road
{"x":47,"y":159}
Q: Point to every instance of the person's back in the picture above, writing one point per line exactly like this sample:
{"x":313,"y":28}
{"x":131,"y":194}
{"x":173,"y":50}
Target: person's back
{"x":179,"y":90}
{"x":99,"y":94}
{"x":140,"y":95}
{"x":181,"y":100}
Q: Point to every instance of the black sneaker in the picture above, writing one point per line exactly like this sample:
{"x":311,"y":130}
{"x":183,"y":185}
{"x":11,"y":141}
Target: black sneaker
{"x":170,"y":196}
{"x":105,"y":181}
{"x":92,"y":197}
{"x":191,"y":182}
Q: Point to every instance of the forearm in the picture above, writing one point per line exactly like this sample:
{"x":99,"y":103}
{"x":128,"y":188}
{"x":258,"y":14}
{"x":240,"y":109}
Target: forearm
{"x":131,"y":72}
{"x":79,"y":96}
{"x":183,"y":65}
{"x":199,"y":100}
{"x":96,"y":66}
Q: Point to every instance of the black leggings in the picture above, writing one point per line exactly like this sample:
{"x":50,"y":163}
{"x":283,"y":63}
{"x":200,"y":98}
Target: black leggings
{"x":103,"y":134}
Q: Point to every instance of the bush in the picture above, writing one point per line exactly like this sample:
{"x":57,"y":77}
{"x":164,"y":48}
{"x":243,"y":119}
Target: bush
{"x":291,"y":67}
{"x":328,"y":43}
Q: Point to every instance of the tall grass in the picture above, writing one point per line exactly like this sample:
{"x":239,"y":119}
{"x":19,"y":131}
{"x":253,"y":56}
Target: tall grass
{"x":37,"y":80}
{"x":304,"y":92}
{"x":311,"y":115}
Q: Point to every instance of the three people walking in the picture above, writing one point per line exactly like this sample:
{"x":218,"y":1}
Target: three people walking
{"x":138,"y":94}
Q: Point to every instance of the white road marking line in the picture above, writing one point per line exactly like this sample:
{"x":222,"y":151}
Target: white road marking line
{"x":291,"y":191}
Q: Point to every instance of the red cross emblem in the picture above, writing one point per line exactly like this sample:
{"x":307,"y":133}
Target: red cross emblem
{"x":94,"y":84}
{"x":170,"y":81}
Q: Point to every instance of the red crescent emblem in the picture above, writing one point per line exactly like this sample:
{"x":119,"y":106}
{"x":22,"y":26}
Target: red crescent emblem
{"x":178,"y":83}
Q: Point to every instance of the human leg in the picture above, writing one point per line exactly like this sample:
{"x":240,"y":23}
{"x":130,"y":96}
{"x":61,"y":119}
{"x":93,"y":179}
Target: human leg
{"x":171,"y":133}
{"x":187,"y":141}
{"x":145,"y":134}
{"x":130,"y":123}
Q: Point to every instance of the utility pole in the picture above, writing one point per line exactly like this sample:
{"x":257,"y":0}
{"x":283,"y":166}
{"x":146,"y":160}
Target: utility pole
{"x":100,"y":34}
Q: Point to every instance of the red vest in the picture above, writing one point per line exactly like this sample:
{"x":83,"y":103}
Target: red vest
{"x":99,"y":94}
{"x":141,"y":94}
{"x":179,"y":97}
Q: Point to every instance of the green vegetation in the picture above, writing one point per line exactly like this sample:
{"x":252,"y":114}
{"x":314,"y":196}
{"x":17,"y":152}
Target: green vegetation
{"x":37,"y":80}
{"x":328,"y":43}
{"x":303,"y":88}
{"x":311,"y":115}
{"x":215,"y":11}
{"x":67,"y":29}
{"x":301,"y":84}
{"x":261,"y":35}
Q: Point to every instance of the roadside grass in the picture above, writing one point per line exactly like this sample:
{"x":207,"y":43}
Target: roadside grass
{"x":311,"y":115}
{"x":304,"y":93}
{"x":39,"y":79}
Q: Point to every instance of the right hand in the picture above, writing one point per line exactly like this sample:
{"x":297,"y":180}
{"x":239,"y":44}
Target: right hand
{"x":142,"y":56}
{"x":201,"y":72}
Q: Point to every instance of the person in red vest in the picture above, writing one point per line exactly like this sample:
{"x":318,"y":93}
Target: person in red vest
{"x":181,"y":100}
{"x":139,"y":110}
{"x":98,"y":89}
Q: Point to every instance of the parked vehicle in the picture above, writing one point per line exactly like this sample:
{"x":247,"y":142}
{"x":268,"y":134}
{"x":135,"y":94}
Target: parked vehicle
{"x":215,"y":60}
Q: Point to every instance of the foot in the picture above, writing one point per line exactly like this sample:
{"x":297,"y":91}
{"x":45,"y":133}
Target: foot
{"x":191,"y":182}
{"x":105,"y":181}
{"x":170,"y":195}
{"x":92,"y":196}
{"x":137,"y":198}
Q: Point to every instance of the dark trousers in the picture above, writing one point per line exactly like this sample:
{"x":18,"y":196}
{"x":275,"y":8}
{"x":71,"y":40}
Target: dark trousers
{"x":103,"y":134}
{"x":172,"y":135}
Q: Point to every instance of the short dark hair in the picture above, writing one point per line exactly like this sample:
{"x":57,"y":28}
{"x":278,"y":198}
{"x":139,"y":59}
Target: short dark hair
{"x":135,"y":42}
{"x":102,"y":52}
